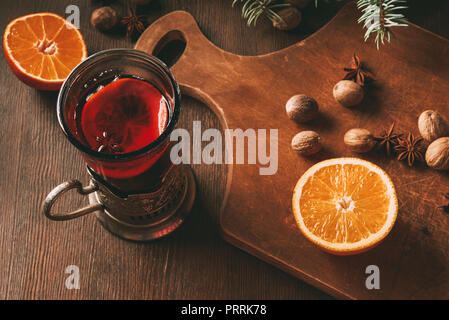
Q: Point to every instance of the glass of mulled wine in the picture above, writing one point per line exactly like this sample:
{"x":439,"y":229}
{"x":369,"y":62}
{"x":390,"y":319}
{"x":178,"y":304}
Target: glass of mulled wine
{"x":119,"y":108}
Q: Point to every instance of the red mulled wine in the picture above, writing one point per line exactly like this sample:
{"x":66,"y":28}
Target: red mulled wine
{"x":125,"y":115}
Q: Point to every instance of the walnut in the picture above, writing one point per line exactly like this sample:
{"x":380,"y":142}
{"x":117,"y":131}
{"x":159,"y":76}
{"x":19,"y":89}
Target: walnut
{"x":291,"y":18}
{"x":359,"y":140}
{"x":301,"y":108}
{"x":432,"y":125}
{"x":306,"y":143}
{"x":437,"y":154}
{"x":348,"y":93}
{"x":104,"y":18}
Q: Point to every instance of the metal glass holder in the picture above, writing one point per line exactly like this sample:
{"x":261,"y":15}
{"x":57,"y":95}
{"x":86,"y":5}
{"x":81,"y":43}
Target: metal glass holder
{"x":137,"y":217}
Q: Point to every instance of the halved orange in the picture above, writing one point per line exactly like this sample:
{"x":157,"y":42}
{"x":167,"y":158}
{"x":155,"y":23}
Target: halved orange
{"x":42,"y":49}
{"x":345,"y":205}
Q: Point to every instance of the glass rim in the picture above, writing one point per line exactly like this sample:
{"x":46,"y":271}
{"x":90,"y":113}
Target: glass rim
{"x":92,"y":59}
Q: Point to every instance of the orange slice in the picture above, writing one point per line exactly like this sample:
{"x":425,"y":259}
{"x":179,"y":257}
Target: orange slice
{"x":42,"y":49}
{"x":345,"y":205}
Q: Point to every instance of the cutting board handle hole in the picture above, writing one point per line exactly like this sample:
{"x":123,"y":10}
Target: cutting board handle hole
{"x":170,"y":47}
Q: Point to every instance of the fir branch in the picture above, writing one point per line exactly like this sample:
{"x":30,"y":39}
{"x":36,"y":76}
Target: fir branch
{"x":253,"y":9}
{"x":379,"y":16}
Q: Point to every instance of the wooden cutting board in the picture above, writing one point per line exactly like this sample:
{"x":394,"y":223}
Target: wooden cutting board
{"x":412,"y":75}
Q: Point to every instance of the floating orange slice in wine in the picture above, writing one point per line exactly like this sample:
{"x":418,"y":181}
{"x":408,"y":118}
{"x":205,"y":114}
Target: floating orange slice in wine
{"x":42,"y":49}
{"x":345,"y":205}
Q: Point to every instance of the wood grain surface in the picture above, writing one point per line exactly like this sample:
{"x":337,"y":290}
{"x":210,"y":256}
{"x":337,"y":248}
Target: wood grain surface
{"x":193,"y":263}
{"x":251,"y":91}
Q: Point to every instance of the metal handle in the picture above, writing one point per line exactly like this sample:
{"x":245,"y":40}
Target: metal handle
{"x":63,"y":188}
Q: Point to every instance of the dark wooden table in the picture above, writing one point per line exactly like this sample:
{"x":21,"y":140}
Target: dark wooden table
{"x":193,"y":263}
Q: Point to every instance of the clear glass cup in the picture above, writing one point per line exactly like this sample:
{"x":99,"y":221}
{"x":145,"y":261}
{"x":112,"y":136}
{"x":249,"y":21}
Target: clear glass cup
{"x":138,"y":171}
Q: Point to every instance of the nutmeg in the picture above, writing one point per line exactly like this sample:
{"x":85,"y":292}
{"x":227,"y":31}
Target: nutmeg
{"x":301,"y":108}
{"x":437,"y":154}
{"x":291,"y":18}
{"x":306,"y":143}
{"x":432,"y":125}
{"x":359,"y":140}
{"x":348,"y":93}
{"x":104,"y":18}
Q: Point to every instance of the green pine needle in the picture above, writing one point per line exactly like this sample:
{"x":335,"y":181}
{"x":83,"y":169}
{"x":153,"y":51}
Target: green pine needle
{"x":379,"y":16}
{"x":253,"y":9}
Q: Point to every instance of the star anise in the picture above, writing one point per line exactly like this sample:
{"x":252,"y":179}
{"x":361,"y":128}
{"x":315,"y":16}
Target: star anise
{"x":388,"y":139}
{"x":410,"y":148}
{"x":356,"y":72}
{"x":108,"y":143}
{"x":133,"y":22}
